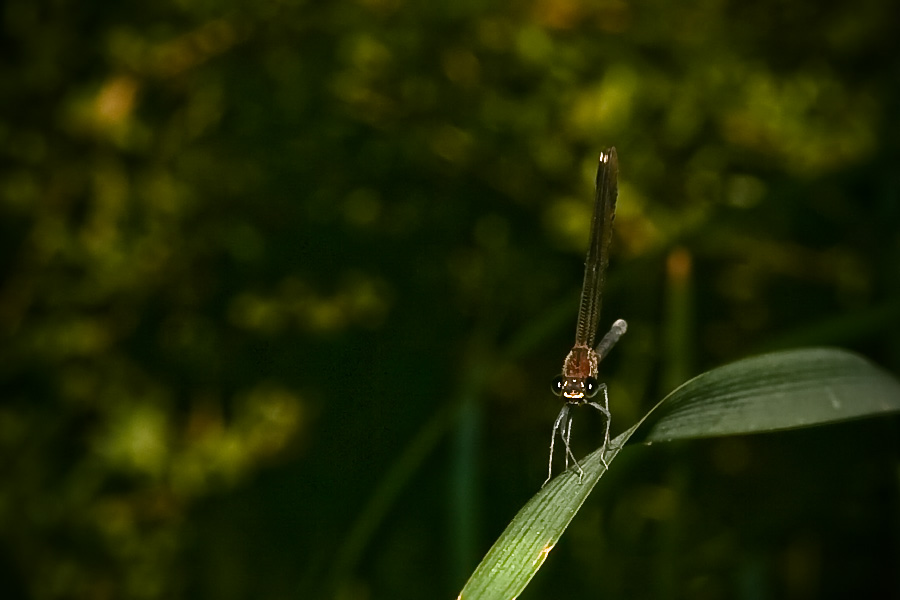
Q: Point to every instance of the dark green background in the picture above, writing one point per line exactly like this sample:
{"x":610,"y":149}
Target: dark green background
{"x":285,"y":284}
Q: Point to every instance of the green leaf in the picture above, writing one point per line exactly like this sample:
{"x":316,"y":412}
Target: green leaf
{"x":782,"y":390}
{"x":523,"y":547}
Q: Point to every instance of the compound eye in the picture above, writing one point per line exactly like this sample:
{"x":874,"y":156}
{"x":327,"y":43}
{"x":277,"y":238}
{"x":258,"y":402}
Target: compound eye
{"x":591,"y":387}
{"x":556,"y":386}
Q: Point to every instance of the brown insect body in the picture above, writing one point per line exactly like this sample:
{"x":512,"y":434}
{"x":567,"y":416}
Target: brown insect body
{"x":577,"y":384}
{"x":580,"y":364}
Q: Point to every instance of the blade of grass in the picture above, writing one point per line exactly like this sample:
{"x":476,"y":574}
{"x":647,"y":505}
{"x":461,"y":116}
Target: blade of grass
{"x":772,"y":392}
{"x":523,"y":547}
{"x":782,"y":390}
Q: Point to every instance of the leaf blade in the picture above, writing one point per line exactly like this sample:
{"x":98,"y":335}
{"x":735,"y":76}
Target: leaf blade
{"x":747,"y":396}
{"x":524,"y":545}
{"x":773,"y":392}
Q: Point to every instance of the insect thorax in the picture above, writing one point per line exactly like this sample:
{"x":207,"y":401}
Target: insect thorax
{"x":580,"y":364}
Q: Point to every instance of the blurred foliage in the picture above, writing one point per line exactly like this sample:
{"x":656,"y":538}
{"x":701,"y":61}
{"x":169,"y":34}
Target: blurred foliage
{"x":255,"y":255}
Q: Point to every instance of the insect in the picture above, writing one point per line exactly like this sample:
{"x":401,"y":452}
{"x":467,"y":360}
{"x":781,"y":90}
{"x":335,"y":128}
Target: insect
{"x":578,"y":384}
